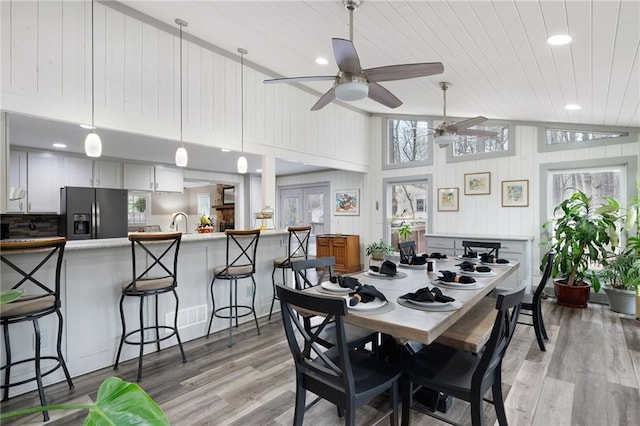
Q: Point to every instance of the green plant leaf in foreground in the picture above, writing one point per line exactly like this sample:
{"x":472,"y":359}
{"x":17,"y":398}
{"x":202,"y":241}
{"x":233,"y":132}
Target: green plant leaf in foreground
{"x":123,"y":403}
{"x":10,"y":296}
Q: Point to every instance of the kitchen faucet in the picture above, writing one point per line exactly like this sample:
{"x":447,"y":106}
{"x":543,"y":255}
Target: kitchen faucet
{"x":173,"y":221}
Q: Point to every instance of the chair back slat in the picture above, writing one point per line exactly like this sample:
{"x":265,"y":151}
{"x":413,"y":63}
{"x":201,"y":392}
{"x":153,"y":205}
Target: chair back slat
{"x":161,"y":256}
{"x":545,"y":277}
{"x":298,"y":242}
{"x":493,"y":247}
{"x":241,"y":249}
{"x":324,"y":270}
{"x":407,"y":251}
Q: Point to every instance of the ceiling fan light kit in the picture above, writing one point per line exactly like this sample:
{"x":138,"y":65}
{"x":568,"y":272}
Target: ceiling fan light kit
{"x":182,"y":158}
{"x":92,"y":143}
{"x":352,"y":91}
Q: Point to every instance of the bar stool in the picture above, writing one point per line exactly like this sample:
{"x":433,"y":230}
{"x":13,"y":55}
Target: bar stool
{"x":240,"y":263}
{"x":44,"y":299}
{"x":298,"y":249}
{"x":156,"y":255}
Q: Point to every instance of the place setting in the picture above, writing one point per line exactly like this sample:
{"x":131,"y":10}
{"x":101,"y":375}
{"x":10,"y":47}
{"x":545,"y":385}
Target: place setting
{"x":429,"y":299}
{"x":452,"y":280}
{"x":361,"y":298}
{"x":475,"y":270}
{"x":388,"y":270}
{"x":491,"y":260}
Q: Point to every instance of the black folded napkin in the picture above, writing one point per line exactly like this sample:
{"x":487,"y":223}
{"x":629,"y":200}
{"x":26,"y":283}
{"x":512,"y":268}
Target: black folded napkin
{"x":428,"y":295}
{"x":452,"y":277}
{"x":363,"y":293}
{"x":389,"y":268}
{"x":472,"y":267}
{"x":489,"y":258}
{"x":471,"y":254}
{"x":418,"y":260}
{"x":437,"y":256}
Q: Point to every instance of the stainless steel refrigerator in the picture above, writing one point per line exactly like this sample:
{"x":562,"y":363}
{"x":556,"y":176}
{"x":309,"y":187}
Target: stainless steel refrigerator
{"x":88,"y":213}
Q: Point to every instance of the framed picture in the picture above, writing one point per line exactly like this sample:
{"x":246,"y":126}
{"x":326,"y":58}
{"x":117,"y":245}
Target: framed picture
{"x":229,"y":195}
{"x":346,"y":202}
{"x":515,"y":193}
{"x":477,"y":183}
{"x":448,"y":199}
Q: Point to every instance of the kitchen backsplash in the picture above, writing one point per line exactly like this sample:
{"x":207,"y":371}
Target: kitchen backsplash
{"x":31,"y":225}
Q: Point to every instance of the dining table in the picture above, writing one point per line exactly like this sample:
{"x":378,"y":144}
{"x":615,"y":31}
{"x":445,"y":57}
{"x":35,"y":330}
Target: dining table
{"x":424,"y":322}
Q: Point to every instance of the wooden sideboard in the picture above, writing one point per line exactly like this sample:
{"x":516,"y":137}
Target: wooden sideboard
{"x":345,"y":248}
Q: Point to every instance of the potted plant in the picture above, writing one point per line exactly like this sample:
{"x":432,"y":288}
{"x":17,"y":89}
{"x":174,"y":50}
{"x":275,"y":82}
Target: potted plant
{"x":583,"y":234}
{"x":378,"y":249}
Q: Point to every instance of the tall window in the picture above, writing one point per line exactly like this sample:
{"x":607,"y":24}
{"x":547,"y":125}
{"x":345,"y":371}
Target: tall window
{"x":597,"y":183}
{"x":408,"y":142}
{"x":408,"y":203}
{"x":137,"y":206}
{"x":204,"y":204}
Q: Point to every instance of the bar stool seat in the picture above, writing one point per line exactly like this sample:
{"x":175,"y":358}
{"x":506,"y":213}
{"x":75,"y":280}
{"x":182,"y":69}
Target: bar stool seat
{"x":240,"y":263}
{"x":43,"y":299}
{"x":160,"y":252}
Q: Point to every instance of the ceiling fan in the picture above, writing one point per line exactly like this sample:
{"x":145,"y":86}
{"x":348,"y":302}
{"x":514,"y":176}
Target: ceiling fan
{"x":353,"y":83}
{"x":447,"y":133}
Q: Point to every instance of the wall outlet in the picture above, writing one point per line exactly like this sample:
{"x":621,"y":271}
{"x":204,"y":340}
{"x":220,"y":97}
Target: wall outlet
{"x":44,"y":339}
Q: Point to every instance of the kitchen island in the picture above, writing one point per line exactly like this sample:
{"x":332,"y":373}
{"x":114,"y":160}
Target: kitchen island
{"x":91,"y":278}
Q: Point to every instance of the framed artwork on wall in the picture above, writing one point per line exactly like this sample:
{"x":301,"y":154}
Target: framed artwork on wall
{"x":515,"y":193}
{"x":477,"y":183}
{"x":346,"y":202}
{"x":448,"y":199}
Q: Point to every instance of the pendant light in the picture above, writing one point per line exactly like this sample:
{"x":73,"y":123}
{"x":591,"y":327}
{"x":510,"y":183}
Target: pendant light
{"x":182,"y":159}
{"x":92,"y":143}
{"x":242,"y":160}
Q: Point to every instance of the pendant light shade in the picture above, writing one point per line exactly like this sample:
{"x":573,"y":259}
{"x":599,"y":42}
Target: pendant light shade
{"x":242,"y":160}
{"x":182,"y":158}
{"x":92,"y":143}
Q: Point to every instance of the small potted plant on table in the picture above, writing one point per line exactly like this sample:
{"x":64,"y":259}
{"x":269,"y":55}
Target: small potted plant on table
{"x":583,"y":234}
{"x":377,"y":250}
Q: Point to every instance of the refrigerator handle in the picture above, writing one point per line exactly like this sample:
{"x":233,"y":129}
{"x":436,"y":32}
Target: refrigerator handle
{"x":92,"y":234}
{"x":97,"y":220}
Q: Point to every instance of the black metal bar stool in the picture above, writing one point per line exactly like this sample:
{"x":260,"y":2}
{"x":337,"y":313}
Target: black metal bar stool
{"x":240,"y":263}
{"x":40,"y":299}
{"x":157,"y":258}
{"x":298,"y":249}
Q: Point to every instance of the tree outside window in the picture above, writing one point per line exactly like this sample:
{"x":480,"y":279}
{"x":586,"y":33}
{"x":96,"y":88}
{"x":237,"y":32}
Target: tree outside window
{"x":408,"y":141}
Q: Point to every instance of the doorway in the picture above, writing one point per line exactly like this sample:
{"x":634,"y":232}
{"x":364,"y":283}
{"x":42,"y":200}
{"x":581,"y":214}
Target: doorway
{"x":302,"y":205}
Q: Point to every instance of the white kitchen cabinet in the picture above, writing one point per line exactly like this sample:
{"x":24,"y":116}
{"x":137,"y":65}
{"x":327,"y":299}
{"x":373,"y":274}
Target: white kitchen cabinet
{"x":43,"y":190}
{"x":107,"y":174}
{"x":141,"y":177}
{"x":169,"y":179}
{"x":512,"y":248}
{"x":84,"y":172}
{"x":18,"y":180}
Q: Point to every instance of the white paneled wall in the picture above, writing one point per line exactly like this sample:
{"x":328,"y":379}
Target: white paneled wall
{"x":46,"y":71}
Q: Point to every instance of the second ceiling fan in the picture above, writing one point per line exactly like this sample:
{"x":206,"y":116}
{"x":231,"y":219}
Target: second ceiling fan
{"x":354,"y":83}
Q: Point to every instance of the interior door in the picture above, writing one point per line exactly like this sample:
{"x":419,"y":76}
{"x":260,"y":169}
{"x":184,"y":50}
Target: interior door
{"x":306,"y":205}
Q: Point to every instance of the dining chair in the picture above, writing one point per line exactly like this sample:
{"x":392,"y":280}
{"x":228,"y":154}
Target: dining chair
{"x":532,"y":305}
{"x":297,"y":249}
{"x":493,"y":247}
{"x":313,"y":272}
{"x":462,"y":374}
{"x":407,"y":250}
{"x":154,"y":258}
{"x":343,"y":376}
{"x":41,"y":298}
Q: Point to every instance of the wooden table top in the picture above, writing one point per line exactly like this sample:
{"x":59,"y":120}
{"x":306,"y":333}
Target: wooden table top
{"x":412,"y":324}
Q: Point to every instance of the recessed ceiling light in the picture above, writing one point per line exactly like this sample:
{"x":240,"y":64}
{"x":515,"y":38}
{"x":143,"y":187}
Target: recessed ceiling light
{"x":258,"y":170}
{"x":225,"y":150}
{"x":59,"y":145}
{"x":559,"y":39}
{"x":87,"y":126}
{"x":321,"y":61}
{"x":572,"y":107}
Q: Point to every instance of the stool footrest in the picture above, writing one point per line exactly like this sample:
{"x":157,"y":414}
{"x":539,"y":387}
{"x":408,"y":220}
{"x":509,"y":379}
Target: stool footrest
{"x":30,"y":379}
{"x":248,"y":311}
{"x":159,"y":327}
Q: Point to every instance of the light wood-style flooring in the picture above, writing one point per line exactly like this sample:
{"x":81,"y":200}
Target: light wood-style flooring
{"x":590,"y":375}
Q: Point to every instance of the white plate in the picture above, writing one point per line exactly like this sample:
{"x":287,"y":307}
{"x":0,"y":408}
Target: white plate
{"x":470,"y":259}
{"x":405,"y":265}
{"x":399,"y":275}
{"x":375,"y":304}
{"x":498,"y":265}
{"x":478,"y":274}
{"x":334,"y":288}
{"x":375,"y":274}
{"x":436,"y":307}
{"x":416,"y":302}
{"x":457,"y":286}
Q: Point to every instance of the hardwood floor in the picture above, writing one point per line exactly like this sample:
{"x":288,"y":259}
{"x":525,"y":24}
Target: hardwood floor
{"x":590,"y":375}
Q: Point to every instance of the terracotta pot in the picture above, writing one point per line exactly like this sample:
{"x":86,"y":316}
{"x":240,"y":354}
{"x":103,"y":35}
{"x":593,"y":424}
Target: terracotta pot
{"x":574,"y":296}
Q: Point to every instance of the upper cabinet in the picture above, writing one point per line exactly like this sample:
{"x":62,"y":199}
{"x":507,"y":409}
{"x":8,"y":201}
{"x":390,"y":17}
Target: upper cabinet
{"x":141,"y":177}
{"x":84,"y":172}
{"x":43,"y":190}
{"x":17,"y":182}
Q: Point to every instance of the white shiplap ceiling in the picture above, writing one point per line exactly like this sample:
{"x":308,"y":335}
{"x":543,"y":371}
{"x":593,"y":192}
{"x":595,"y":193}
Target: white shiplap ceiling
{"x":494,"y":51}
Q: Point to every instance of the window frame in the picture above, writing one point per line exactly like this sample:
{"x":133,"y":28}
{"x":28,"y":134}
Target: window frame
{"x":147,"y":212}
{"x":632,"y":136}
{"x":386,"y":132}
{"x":510,"y":152}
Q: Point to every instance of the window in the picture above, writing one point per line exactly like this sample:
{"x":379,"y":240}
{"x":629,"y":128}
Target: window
{"x":406,"y":202}
{"x":471,"y":147}
{"x":408,"y":142}
{"x":560,"y":136}
{"x":137,"y":207}
{"x":556,"y":138}
{"x":204,"y":204}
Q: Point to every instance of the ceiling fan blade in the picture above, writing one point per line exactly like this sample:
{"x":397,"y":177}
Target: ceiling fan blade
{"x":470,"y":122}
{"x":382,"y":95}
{"x":474,"y":132}
{"x":300,"y":79}
{"x":404,"y":71}
{"x":346,"y":56}
{"x":329,"y":96}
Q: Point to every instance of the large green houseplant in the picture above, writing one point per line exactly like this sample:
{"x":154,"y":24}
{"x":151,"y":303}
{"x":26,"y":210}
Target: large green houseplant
{"x":584,"y":233}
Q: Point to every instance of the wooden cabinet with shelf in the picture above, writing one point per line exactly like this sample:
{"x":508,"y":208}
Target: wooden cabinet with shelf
{"x":345,"y":248}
